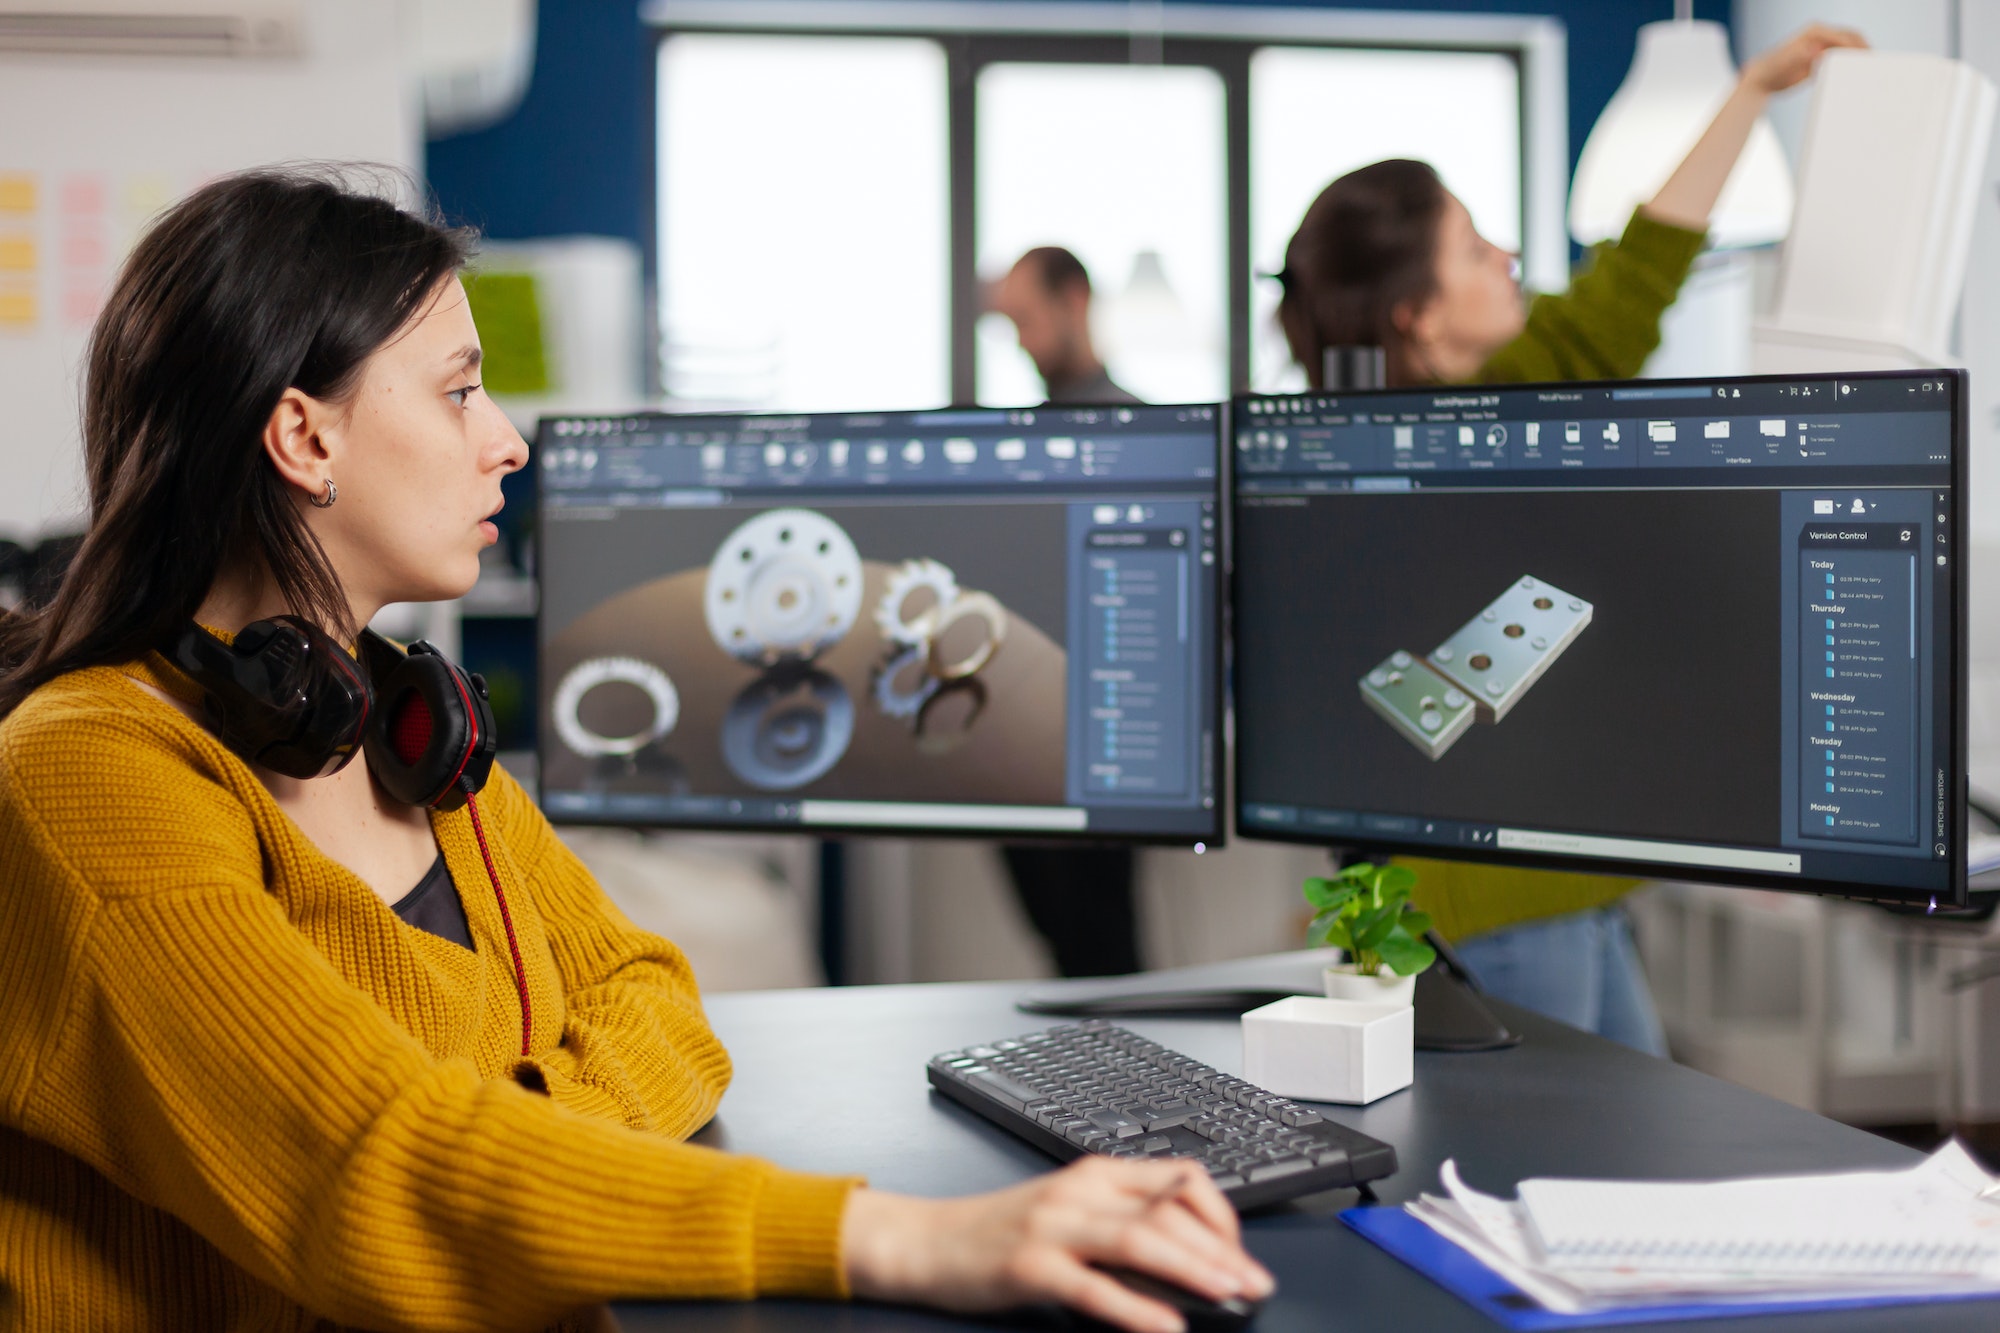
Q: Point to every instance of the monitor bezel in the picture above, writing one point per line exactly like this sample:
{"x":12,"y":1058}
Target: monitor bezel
{"x":1220,"y":814}
{"x":1958,"y":891}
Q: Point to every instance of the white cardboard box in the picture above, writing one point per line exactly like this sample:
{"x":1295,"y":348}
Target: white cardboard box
{"x":1330,"y":1050}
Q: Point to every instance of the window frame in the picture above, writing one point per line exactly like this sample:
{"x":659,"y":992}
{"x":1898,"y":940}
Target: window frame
{"x":1221,"y":38}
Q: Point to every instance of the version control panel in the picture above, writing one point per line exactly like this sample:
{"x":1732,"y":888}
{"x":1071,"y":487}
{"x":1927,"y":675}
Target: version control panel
{"x":1134,"y":612}
{"x":1868,"y":578}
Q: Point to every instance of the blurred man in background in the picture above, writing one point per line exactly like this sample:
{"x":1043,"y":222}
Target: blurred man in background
{"x":1079,"y":899}
{"x":1047,"y":295}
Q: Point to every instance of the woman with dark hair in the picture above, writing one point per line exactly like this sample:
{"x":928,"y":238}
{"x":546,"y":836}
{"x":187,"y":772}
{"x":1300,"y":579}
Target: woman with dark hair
{"x":250,"y":1076}
{"x":1387,"y":257}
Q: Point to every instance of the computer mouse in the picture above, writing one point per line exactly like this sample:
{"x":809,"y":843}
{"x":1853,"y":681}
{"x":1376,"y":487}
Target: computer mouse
{"x":1202,"y":1314}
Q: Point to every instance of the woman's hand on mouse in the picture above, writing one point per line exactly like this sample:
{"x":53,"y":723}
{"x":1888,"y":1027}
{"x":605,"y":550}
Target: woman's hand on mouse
{"x":1792,"y":61}
{"x":1038,"y":1241}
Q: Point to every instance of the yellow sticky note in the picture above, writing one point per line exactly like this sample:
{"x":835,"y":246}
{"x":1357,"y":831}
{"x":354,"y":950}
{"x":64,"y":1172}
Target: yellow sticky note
{"x":17,"y":309}
{"x":17,"y":193}
{"x":17,"y":254}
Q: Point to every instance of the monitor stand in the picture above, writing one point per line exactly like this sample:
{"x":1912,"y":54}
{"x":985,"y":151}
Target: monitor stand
{"x":1451,"y":1013}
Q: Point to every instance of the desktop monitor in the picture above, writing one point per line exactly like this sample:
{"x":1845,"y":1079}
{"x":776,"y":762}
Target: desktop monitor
{"x":1702,"y":630}
{"x":996,"y":622}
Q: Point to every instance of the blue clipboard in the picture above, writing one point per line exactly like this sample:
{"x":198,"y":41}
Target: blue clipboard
{"x":1493,"y":1296}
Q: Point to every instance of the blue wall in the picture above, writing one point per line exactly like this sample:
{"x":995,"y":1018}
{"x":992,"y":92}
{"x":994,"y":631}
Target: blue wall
{"x":577,"y":156}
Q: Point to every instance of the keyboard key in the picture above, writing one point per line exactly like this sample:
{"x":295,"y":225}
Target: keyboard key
{"x":1116,"y":1123}
{"x":1001,"y":1088}
{"x":1299,"y":1115}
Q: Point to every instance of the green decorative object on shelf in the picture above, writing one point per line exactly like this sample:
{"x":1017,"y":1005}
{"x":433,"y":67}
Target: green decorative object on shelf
{"x":509,"y":315}
{"x":1365,"y":912}
{"x":507,"y":695}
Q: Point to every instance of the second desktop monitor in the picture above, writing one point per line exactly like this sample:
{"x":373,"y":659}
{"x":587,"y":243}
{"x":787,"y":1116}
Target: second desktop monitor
{"x":1710,"y":629}
{"x":1005,"y":622}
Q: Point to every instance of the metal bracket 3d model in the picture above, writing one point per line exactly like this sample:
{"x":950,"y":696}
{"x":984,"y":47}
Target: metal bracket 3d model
{"x":1481,"y":671}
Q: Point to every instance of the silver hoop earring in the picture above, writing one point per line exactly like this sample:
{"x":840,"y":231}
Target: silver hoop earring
{"x":332,"y":494}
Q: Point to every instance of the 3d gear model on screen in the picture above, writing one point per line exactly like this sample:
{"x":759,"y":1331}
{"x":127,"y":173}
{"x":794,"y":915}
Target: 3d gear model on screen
{"x":783,"y":587}
{"x":914,"y":601}
{"x":581,"y":679}
{"x":921,"y":610}
{"x":787,"y":728}
{"x":1481,"y":671}
{"x":904,"y":684}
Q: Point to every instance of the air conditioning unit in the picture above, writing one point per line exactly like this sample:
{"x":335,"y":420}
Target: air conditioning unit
{"x":228,"y":28}
{"x":476,"y":57}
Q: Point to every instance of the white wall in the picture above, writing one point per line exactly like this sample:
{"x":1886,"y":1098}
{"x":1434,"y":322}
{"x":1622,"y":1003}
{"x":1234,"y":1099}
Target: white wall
{"x":99,"y":171}
{"x":1979,"y":316}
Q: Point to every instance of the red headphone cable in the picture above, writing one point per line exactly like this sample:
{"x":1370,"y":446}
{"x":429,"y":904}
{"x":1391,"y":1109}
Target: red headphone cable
{"x":506,"y":918}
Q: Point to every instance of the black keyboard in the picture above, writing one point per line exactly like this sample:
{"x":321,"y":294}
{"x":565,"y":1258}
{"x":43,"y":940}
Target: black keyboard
{"x":1095,"y":1088}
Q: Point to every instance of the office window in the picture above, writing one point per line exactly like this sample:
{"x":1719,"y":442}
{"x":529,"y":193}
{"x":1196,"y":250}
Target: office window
{"x":1125,"y":166}
{"x":831,"y":196}
{"x":1316,"y":114}
{"x":804,"y":222}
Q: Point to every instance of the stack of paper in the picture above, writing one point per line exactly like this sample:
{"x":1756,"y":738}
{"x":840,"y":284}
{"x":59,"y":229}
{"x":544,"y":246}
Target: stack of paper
{"x":1579,"y":1246}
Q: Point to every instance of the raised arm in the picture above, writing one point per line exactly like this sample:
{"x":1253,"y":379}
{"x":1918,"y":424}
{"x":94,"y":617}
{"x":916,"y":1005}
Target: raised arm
{"x":1688,"y":197}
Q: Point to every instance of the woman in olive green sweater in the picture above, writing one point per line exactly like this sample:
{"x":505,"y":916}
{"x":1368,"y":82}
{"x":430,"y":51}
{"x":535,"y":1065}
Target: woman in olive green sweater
{"x":1386,"y":256}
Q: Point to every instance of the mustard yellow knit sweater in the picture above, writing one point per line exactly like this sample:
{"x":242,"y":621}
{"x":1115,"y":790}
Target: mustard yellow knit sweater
{"x":237,"y":1092}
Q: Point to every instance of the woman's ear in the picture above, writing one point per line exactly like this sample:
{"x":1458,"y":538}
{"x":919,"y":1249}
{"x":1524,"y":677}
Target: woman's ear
{"x":1403,"y":322}
{"x":293,"y":443}
{"x":1403,"y":318}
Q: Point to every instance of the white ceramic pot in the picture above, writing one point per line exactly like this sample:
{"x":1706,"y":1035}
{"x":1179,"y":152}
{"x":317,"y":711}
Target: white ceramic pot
{"x":1343,"y":982}
{"x":1330,"y":1050}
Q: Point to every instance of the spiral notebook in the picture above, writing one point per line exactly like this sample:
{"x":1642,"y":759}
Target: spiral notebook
{"x":1593,"y":1251}
{"x":1926,"y":1221}
{"x":1504,"y":1301}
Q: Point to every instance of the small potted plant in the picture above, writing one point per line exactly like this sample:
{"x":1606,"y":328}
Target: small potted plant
{"x":1365,"y":912}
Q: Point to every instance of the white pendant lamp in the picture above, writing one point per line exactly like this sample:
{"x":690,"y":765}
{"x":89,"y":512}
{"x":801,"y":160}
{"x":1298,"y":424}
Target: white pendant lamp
{"x":1680,"y":77}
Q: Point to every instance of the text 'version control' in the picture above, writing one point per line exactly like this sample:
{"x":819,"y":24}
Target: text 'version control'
{"x":1858,"y":688}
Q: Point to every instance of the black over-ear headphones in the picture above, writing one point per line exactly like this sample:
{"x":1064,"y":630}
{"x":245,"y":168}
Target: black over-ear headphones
{"x":287,"y":696}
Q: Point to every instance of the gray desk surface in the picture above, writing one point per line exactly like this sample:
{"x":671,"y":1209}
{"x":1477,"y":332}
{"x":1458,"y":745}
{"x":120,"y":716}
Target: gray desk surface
{"x":833,"y":1081}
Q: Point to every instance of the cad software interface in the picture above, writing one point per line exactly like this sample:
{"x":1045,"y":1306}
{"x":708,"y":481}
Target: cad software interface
{"x":1707,"y":626}
{"x":960,"y":620}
